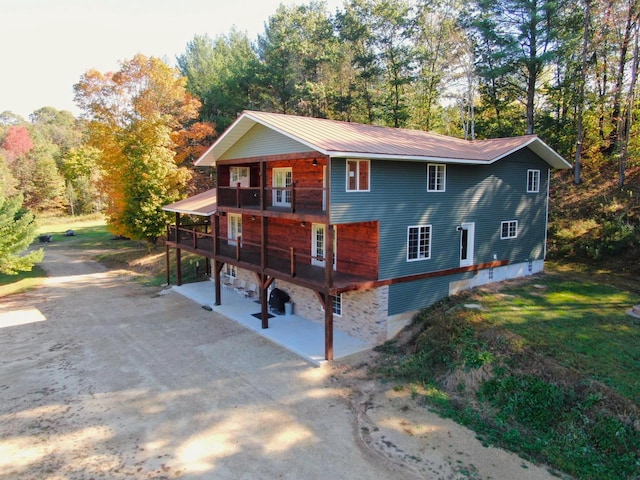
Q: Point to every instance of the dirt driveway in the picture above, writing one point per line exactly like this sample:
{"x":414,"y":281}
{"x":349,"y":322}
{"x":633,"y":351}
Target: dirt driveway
{"x":101,"y":377}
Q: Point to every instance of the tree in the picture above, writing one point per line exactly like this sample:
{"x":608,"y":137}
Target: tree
{"x":132,"y":114}
{"x":222,"y":74}
{"x":17,"y":142}
{"x":17,"y":230}
{"x":515,"y":40}
{"x":296,"y":52}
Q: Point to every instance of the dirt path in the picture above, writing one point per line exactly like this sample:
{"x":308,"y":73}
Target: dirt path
{"x":101,"y":377}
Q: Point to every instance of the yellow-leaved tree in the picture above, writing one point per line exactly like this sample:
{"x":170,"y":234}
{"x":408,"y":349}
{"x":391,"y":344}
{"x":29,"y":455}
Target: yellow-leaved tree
{"x":133,"y":116}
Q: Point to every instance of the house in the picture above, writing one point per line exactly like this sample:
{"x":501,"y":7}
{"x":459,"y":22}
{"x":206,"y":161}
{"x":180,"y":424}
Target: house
{"x":362,"y":225}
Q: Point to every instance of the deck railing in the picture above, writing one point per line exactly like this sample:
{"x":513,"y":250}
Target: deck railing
{"x":288,"y":260}
{"x":293,"y":198}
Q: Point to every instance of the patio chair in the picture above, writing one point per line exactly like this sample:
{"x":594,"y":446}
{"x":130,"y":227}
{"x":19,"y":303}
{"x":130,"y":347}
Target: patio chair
{"x":250,"y":291}
{"x":228,"y":281}
{"x":240,"y":289}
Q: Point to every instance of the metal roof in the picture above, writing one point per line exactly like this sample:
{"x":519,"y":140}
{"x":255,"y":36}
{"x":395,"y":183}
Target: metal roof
{"x":344,"y":139}
{"x":203,"y":204}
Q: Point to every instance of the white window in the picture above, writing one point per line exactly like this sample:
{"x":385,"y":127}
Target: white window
{"x":358,"y":175}
{"x":282,"y":180}
{"x":234,"y":222}
{"x":239,"y":175}
{"x":509,"y":229}
{"x":419,"y":243}
{"x":436,"y":177}
{"x":336,"y":301}
{"x":533,"y":181}
{"x":231,"y":271}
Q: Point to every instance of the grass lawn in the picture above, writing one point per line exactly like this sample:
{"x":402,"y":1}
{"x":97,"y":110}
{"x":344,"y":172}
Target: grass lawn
{"x":580,"y":323}
{"x":548,"y":367}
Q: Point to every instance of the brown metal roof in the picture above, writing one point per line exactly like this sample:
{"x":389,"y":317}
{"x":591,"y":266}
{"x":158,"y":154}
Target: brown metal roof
{"x":203,"y":204}
{"x":345,"y":139}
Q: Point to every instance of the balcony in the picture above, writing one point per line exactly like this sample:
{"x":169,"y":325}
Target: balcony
{"x":293,"y":199}
{"x":284,"y":262}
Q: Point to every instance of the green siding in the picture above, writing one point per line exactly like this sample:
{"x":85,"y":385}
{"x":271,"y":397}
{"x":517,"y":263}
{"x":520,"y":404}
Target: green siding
{"x":261,"y":141}
{"x":483,"y":194}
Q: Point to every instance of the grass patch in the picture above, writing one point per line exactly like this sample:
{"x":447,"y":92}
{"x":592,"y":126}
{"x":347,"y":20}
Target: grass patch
{"x":22,"y":282}
{"x":581,"y":324}
{"x":548,"y":368}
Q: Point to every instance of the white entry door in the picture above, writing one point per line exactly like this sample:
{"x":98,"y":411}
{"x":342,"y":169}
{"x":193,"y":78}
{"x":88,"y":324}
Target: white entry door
{"x":467,"y":233}
{"x":318,"y":245}
{"x":282,"y":178}
{"x":234,"y":227}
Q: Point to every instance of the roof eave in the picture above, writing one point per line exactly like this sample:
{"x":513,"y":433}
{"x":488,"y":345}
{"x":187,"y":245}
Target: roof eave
{"x":190,"y":212}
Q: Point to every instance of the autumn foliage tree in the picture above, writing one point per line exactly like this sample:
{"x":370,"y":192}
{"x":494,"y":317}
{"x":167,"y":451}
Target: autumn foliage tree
{"x":133,"y":115}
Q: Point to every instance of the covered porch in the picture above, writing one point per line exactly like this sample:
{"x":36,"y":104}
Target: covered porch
{"x":292,"y":332}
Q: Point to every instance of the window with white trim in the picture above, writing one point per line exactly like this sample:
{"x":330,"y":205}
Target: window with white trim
{"x":358,"y":175}
{"x":337,"y":304}
{"x":436,"y":177}
{"x":231,"y":271}
{"x":533,"y":181}
{"x":509,"y":229}
{"x":418,"y":243}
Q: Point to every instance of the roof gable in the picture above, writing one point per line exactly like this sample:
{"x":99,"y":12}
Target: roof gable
{"x":343,"y":139}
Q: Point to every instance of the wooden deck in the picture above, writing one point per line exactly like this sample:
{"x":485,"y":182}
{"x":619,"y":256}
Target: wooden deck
{"x":280,"y":263}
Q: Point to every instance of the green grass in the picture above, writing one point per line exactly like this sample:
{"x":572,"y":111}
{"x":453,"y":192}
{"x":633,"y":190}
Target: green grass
{"x":551,"y":370}
{"x":581,"y":324}
{"x":23,"y":282}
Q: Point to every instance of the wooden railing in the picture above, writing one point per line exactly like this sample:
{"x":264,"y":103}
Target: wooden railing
{"x":197,"y":237}
{"x":295,"y":198}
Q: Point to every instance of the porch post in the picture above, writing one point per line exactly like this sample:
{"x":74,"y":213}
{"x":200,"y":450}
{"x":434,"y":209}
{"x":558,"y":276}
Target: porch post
{"x":168,"y":261}
{"x":217,"y":267}
{"x":264,"y":286}
{"x":328,"y":281}
{"x":328,"y":327}
{"x":178,"y":252}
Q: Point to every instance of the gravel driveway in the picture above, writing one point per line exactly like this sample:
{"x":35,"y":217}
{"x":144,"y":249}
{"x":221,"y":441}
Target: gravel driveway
{"x":101,"y":377}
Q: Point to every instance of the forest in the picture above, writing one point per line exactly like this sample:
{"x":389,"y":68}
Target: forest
{"x":563,"y":70}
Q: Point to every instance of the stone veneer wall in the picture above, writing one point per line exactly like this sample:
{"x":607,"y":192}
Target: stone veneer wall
{"x":364,"y":313}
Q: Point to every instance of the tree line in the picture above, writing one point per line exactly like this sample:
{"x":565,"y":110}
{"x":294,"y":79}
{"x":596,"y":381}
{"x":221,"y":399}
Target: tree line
{"x":565,"y":70}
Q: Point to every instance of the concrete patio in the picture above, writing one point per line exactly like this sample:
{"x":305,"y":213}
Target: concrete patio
{"x":297,"y":334}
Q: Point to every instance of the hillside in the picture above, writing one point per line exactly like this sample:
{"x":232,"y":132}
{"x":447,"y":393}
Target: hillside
{"x":596,"y":221}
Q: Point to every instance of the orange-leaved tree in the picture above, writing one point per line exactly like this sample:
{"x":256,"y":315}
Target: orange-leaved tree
{"x":133,"y":116}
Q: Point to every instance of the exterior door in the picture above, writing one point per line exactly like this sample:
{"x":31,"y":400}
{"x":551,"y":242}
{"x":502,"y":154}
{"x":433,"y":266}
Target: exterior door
{"x":318,"y":245}
{"x":239,"y":175}
{"x":282,"y":178}
{"x":234,"y":229}
{"x":467,"y":233}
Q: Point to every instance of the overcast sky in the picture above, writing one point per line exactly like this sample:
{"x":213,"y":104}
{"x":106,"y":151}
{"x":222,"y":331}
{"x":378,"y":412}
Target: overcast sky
{"x":48,"y":44}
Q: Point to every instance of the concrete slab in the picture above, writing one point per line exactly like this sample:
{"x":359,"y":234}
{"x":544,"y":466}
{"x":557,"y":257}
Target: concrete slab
{"x":297,"y":334}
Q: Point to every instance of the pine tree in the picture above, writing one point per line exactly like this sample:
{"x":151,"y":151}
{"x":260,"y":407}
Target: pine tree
{"x":17,"y":230}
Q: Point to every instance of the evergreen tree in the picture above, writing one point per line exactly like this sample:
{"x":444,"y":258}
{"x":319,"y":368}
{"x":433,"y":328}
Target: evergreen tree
{"x":17,"y":231}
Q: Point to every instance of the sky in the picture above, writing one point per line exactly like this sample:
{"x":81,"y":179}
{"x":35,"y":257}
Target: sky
{"x":48,"y":44}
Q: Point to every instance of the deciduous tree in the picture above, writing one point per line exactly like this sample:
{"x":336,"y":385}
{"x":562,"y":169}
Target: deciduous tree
{"x":132,"y":114}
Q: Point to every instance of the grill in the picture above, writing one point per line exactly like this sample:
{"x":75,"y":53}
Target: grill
{"x":277,"y":299}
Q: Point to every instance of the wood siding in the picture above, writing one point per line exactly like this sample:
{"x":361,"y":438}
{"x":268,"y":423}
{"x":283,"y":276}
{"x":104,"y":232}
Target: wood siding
{"x":357,"y":248}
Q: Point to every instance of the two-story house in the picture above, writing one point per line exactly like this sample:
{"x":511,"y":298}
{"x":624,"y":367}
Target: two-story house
{"x":364,"y":225}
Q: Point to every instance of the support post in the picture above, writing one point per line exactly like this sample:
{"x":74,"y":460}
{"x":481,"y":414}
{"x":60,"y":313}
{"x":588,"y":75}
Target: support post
{"x":264,"y":286}
{"x":217,"y":267}
{"x":328,"y":327}
{"x":178,"y":266}
{"x":168,"y":261}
